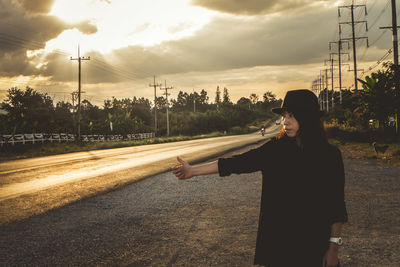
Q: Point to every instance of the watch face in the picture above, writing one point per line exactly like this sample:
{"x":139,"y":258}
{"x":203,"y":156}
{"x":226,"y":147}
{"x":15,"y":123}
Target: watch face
{"x":340,"y":241}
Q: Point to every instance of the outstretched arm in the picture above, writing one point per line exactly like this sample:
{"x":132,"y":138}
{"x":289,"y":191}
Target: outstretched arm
{"x":185,"y":171}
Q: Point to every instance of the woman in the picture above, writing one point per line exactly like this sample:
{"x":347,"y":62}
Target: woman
{"x":302,"y":201}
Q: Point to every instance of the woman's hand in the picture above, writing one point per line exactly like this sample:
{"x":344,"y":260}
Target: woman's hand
{"x":331,"y":258}
{"x":183,"y":170}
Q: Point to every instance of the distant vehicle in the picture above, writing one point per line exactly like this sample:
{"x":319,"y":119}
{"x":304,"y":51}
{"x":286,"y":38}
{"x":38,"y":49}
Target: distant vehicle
{"x":278,"y":121}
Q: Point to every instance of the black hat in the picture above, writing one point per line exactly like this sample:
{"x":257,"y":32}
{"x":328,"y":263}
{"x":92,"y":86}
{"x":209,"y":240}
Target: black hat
{"x":302,"y":100}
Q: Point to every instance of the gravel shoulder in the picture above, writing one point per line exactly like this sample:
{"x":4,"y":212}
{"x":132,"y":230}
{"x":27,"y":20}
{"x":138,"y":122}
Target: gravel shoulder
{"x":373,"y":201}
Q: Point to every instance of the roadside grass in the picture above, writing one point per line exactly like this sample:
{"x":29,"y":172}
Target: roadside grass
{"x":364,"y":150}
{"x":357,"y":144}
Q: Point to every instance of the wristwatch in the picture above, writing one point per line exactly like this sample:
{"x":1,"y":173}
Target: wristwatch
{"x":336,"y":240}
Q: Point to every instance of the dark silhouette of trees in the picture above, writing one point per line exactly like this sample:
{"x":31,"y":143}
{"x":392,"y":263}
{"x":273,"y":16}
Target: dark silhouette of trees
{"x":225,"y":97}
{"x":379,"y":95}
{"x":217,"y":96}
{"x":28,"y":111}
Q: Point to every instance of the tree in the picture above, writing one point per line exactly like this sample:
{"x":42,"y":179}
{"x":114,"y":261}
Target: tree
{"x":254,"y":99}
{"x":269,"y":97}
{"x":141,"y":110}
{"x":161,"y":103}
{"x":181,"y":103}
{"x":203,"y":99}
{"x":64,"y":118}
{"x":244,"y":101}
{"x":226,"y":99}
{"x":379,"y":95}
{"x":29,"y":111}
{"x":217,"y":96}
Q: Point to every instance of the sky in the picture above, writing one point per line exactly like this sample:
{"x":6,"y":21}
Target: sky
{"x":248,"y":47}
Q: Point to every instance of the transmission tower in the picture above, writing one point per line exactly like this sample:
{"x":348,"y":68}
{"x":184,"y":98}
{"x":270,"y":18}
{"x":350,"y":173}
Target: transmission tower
{"x":354,"y":38}
{"x":339,"y":54}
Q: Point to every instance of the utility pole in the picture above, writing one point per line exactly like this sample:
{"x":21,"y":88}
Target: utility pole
{"x":327,"y":91}
{"x":166,"y":106}
{"x":79,"y":58}
{"x":155,"y":103}
{"x":331,"y":60}
{"x":395,"y":57}
{"x":322,"y":88}
{"x":333,"y":88}
{"x":354,"y":38}
{"x":315,"y":87}
{"x":321,"y":106}
{"x":194,"y":101}
{"x":339,"y":53}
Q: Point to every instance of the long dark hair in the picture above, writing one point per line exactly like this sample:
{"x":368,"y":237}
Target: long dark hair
{"x":311,"y":132}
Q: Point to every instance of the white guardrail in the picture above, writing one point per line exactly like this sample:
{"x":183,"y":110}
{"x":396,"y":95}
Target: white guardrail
{"x":64,"y":137}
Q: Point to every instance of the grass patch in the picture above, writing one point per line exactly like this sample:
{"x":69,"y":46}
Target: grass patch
{"x":365,"y":150}
{"x":352,"y":134}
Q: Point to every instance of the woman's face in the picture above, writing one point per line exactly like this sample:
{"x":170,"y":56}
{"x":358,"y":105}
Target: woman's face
{"x":290,"y":124}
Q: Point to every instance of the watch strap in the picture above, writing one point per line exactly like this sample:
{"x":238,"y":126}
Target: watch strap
{"x":336,"y":240}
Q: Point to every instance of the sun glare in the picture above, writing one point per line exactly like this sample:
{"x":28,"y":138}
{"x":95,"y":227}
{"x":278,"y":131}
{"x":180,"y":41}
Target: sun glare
{"x":73,"y":11}
{"x":121,"y":23}
{"x":66,"y":43}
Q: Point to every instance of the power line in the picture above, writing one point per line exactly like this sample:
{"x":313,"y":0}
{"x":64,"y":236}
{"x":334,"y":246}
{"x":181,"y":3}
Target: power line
{"x":378,"y":38}
{"x":14,"y":41}
{"x":380,"y":15}
{"x":372,"y":6}
{"x":378,"y":62}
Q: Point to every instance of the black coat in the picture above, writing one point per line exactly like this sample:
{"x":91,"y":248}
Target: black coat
{"x":302,"y":196}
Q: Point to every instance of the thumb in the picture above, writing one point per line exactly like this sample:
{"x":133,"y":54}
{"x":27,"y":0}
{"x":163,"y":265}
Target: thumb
{"x":181,"y":161}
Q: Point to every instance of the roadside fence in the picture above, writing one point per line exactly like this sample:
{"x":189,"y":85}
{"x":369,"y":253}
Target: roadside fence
{"x":34,"y":138}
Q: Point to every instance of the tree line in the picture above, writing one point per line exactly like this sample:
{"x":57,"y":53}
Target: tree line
{"x":29,"y":111}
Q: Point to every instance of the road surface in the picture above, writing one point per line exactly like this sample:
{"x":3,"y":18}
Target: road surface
{"x":32,"y":186}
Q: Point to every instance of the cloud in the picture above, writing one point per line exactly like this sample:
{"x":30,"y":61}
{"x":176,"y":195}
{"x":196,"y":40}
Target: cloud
{"x":238,"y":42}
{"x":227,"y":42}
{"x":252,"y":7}
{"x":21,"y":31}
{"x":36,"y":6}
{"x":86,"y":27}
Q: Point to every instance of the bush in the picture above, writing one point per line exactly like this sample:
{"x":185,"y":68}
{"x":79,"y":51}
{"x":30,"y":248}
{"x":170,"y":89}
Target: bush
{"x":345,"y":132}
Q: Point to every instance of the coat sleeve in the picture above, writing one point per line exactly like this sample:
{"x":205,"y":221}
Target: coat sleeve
{"x":250,"y":161}
{"x":337,"y":205}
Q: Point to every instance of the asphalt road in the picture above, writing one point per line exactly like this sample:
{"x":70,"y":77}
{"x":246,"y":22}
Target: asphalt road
{"x":158,"y":221}
{"x":32,"y":186}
